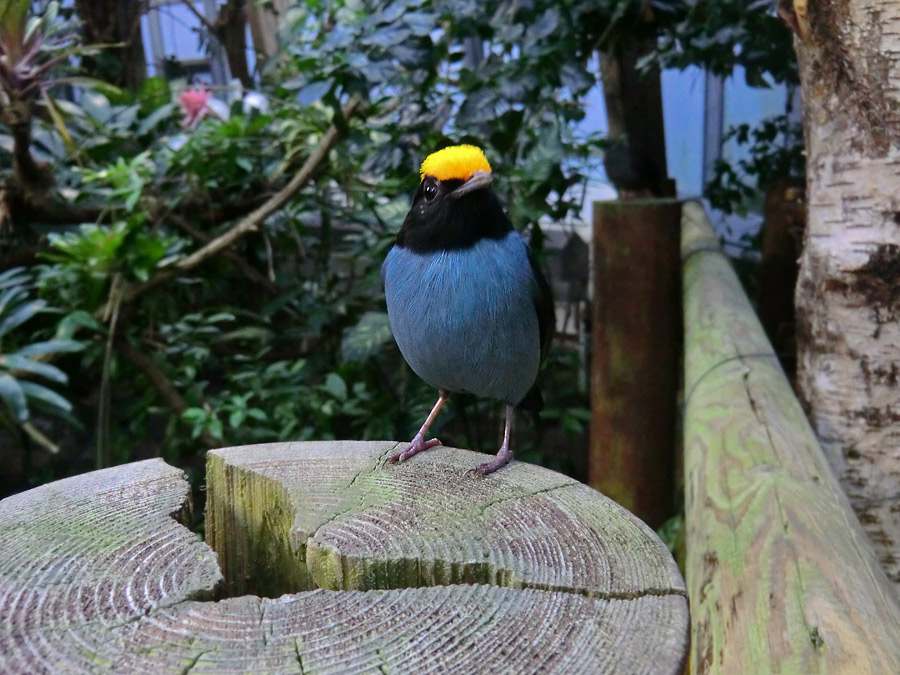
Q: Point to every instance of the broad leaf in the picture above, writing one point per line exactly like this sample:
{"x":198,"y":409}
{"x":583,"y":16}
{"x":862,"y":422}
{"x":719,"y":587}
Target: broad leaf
{"x":20,"y":315}
{"x":314,"y":91}
{"x":13,"y":396}
{"x":367,"y":337}
{"x":26,"y":365}
{"x":47,"y":398}
{"x":51,"y":346}
{"x":335,"y":385}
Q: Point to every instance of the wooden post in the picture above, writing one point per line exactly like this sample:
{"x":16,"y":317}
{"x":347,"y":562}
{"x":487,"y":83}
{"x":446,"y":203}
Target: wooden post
{"x":636,"y":157}
{"x":636,"y":333}
{"x":359,"y":566}
{"x":780,"y":574}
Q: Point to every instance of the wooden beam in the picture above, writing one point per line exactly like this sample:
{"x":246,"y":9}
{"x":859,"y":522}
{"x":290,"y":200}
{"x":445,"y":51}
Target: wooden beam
{"x":781,"y":576}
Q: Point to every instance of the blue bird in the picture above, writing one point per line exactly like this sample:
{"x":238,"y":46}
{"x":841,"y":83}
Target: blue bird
{"x":468,"y":306}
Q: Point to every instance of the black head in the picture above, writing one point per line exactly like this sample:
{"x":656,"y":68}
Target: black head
{"x":453,"y":214}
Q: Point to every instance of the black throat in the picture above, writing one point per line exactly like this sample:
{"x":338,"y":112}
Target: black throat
{"x":445,"y":223}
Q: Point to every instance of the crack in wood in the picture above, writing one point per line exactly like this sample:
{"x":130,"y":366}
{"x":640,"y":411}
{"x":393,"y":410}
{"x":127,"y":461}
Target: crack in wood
{"x":298,"y":654}
{"x":383,"y":663}
{"x":329,"y":565}
{"x":512,"y":498}
{"x":114,"y":625}
{"x":193,"y":662}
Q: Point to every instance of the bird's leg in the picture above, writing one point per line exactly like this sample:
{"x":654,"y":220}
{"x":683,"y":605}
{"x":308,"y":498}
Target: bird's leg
{"x":419,"y":443}
{"x":504,"y":454}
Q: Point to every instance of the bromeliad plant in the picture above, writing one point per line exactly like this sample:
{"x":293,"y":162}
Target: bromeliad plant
{"x":33,"y":48}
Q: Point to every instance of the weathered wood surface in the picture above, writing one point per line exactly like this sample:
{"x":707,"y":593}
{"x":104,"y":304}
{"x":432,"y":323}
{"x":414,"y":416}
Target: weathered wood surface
{"x":781,"y":576}
{"x":635,"y":354}
{"x":536,"y":573}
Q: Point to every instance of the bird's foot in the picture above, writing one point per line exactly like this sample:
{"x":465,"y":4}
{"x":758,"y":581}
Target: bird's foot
{"x":500,"y":460}
{"x":417,"y":445}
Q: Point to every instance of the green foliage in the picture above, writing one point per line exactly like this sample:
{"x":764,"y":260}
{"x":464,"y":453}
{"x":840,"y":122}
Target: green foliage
{"x":285,"y":336}
{"x":774,"y":150}
{"x":85,"y":260}
{"x":21,"y":363}
{"x":721,"y":36}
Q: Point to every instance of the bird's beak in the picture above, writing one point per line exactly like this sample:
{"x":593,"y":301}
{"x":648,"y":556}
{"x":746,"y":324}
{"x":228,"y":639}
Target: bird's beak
{"x":478,"y":181}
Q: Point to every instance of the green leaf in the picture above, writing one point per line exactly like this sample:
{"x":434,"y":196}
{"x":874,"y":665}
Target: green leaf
{"x":215,"y":428}
{"x":58,"y":122}
{"x":154,"y":93}
{"x":10,"y":297}
{"x":97,"y":106}
{"x":26,"y":365}
{"x":237,"y":417}
{"x":220,"y":316}
{"x":12,"y":394}
{"x":47,"y":397}
{"x":15,"y":276}
{"x":20,"y":315}
{"x":156,"y":117}
{"x":51,"y":346}
{"x":13,"y":21}
{"x":93,"y":84}
{"x":77,"y":319}
{"x":367,"y":337}
{"x":335,"y":385}
{"x":194,"y":415}
{"x":546,"y":25}
{"x":130,"y":202}
{"x":252,"y":333}
{"x":478,"y":107}
{"x":420,"y":23}
{"x":314,"y":91}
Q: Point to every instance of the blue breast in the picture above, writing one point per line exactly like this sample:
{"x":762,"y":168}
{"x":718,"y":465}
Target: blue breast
{"x":466,"y":320}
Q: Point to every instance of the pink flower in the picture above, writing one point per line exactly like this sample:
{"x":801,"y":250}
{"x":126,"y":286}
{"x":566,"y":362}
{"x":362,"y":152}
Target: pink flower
{"x":195,"y":105}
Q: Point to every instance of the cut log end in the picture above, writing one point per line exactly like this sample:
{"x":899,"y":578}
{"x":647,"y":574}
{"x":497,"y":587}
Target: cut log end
{"x":524,"y":570}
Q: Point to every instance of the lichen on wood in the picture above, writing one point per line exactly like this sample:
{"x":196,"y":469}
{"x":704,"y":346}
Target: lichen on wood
{"x":355,"y":523}
{"x":780,"y":575}
{"x":98,"y":575}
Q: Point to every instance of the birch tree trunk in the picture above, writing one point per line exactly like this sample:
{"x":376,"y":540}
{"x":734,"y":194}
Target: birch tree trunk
{"x":848,"y":293}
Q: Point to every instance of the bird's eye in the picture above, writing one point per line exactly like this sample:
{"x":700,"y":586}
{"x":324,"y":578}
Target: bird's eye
{"x":430,"y":191}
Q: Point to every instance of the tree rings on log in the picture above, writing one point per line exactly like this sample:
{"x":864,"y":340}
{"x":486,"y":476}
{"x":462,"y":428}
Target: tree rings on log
{"x":356,"y":566}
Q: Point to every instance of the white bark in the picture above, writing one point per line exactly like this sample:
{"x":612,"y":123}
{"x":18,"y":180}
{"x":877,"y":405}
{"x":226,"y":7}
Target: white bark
{"x":848,"y":293}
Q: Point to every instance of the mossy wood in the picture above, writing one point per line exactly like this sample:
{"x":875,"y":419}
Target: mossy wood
{"x":780,"y":574}
{"x":366,"y":567}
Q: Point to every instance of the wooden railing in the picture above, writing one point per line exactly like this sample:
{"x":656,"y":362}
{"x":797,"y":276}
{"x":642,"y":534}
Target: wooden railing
{"x":780,"y":574}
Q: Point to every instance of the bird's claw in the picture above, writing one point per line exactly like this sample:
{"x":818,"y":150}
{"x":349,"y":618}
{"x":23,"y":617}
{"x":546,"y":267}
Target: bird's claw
{"x":417,"y":445}
{"x":500,"y":460}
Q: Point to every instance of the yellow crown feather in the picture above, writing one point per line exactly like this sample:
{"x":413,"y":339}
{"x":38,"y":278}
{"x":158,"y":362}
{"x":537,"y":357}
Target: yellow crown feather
{"x":456,"y":162}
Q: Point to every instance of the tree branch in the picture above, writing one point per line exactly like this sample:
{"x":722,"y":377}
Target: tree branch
{"x":207,"y":24}
{"x":246,"y":268}
{"x":252,"y":221}
{"x":166,"y":390}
